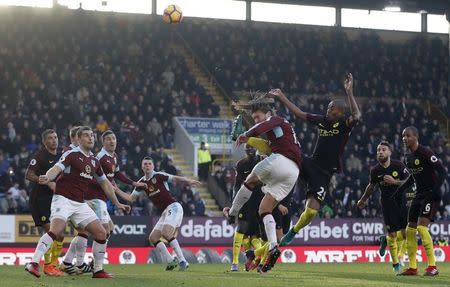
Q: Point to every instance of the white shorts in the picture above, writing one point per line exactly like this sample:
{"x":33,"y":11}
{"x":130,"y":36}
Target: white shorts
{"x":100,"y":209}
{"x":172,"y":215}
{"x":79,"y":213}
{"x":278,"y":173}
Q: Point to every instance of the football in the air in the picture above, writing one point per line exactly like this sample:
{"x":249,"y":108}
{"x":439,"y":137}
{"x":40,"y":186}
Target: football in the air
{"x":172,"y":14}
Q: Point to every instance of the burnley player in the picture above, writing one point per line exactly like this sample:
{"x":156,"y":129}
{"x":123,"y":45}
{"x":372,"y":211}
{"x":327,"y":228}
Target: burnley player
{"x":171,"y":211}
{"x":96,"y":197}
{"x":78,"y":245}
{"x":428,"y":173}
{"x":248,"y":223}
{"x":388,"y":175}
{"x":73,"y":138}
{"x":41,"y":196}
{"x":278,"y":172}
{"x":334,"y":129}
{"x":78,"y":167}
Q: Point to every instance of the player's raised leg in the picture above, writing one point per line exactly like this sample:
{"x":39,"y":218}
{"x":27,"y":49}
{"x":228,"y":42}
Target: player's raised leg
{"x":312,"y":207}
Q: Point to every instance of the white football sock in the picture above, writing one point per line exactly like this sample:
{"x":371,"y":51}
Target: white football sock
{"x":271,"y":230}
{"x":68,"y":258}
{"x":176,"y":247}
{"x":242,"y":196}
{"x":164,"y":252}
{"x":80,"y":247}
{"x":98,"y":250}
{"x":44,"y":244}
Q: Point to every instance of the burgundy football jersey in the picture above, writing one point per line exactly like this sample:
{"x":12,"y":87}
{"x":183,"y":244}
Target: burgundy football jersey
{"x":110,"y":166}
{"x":281,"y":136}
{"x":158,"y":189}
{"x":78,"y":172}
{"x":70,"y":147}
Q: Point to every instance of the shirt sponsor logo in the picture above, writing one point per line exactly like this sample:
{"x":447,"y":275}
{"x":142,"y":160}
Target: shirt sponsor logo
{"x":328,"y":133}
{"x":152,"y":191}
{"x":416,"y":170}
{"x":85,"y":175}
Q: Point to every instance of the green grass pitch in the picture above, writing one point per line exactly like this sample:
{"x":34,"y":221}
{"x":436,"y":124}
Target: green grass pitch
{"x":208,"y":275}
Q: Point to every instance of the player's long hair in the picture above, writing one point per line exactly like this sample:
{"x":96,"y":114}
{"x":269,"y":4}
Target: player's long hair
{"x":258,"y":101}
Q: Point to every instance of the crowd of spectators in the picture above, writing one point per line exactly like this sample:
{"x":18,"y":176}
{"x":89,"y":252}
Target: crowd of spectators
{"x":64,"y":68}
{"x":118,"y":72}
{"x":314,"y":60}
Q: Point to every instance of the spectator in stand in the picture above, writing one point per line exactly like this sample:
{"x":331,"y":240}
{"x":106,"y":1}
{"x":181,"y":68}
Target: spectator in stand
{"x":204,"y":162}
{"x":102,"y":125}
{"x":199,"y":205}
{"x":8,"y":205}
{"x":170,"y":167}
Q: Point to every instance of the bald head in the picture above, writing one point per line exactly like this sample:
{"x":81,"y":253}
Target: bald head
{"x":336,"y":110}
{"x":410,"y":137}
{"x":413,"y":130}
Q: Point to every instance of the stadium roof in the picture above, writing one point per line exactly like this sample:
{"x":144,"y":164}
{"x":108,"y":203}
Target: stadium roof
{"x":430,"y":6}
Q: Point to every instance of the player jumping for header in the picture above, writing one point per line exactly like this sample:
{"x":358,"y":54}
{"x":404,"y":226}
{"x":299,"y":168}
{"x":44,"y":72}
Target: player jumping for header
{"x":279,"y":171}
{"x":333,"y":129}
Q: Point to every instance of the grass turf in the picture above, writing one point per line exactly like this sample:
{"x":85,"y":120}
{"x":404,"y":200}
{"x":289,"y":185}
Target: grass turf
{"x":208,"y":275}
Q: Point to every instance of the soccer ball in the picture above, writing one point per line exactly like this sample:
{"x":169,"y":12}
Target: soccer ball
{"x":172,"y":14}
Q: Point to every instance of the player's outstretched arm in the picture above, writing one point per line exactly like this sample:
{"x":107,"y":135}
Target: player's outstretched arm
{"x":354,"y":109}
{"x":370,"y":188}
{"x":120,"y":175}
{"x":50,"y":175}
{"x":108,"y":188}
{"x":181,"y":179}
{"x":277,"y":93}
{"x":125,"y":196}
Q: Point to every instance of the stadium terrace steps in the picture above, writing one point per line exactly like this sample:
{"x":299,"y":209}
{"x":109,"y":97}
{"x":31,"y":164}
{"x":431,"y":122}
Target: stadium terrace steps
{"x":211,"y":207}
{"x":204,"y":80}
